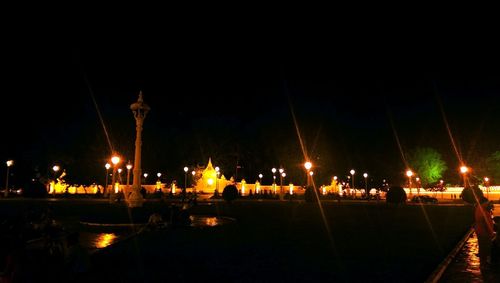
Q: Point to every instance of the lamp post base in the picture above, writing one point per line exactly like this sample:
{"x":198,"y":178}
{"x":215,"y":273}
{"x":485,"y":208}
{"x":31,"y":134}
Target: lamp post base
{"x":135,"y":198}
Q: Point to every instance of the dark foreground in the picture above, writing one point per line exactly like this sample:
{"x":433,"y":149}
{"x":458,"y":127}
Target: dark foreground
{"x":284,"y":241}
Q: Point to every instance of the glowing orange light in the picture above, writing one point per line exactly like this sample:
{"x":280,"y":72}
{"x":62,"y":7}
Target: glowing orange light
{"x":464,"y":169}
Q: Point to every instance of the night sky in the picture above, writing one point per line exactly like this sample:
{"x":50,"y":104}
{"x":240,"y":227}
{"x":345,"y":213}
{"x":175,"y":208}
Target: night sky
{"x":233,"y":102}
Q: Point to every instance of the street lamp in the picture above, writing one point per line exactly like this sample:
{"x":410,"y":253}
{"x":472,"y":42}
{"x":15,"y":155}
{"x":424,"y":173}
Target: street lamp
{"x":185,"y":177}
{"x":409,"y":173}
{"x":352,"y":173}
{"x":366,"y":183}
{"x":464,"y":169}
{"x":158,"y":182}
{"x":107,"y":174}
{"x":417,"y":179}
{"x":281,"y":170}
{"x":486,"y":180}
{"x":194,"y":187}
{"x":55,"y":168}
{"x":9,"y":163}
{"x":217,"y":169}
{"x":308,"y":166}
{"x":120,"y":170}
{"x":260,"y":177}
{"x":145,"y":176}
{"x":129,"y":167}
{"x":115,"y":160}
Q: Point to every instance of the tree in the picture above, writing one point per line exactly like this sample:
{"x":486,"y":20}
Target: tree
{"x":428,"y":164}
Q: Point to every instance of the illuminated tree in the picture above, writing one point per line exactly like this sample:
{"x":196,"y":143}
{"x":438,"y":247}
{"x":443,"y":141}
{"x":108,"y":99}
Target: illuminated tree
{"x":428,"y":164}
{"x":493,"y":166}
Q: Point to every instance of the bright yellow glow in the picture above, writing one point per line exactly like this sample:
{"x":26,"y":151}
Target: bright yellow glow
{"x":72,"y":189}
{"x":173,"y":188}
{"x":324,"y":190}
{"x":52,"y":187}
{"x":117,"y":187}
{"x":352,"y":171}
{"x":308,"y":165}
{"x":274,"y":187}
{"x":158,"y":185}
{"x":115,"y":160}
{"x":10,"y":163}
{"x":243,"y":183}
{"x":105,"y":240}
{"x":409,"y":173}
{"x":56,"y":168}
{"x":210,"y":181}
{"x":291,"y":188}
{"x":464,"y":169}
{"x":257,"y":187}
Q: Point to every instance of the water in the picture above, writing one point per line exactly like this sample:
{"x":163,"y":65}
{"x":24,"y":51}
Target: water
{"x":95,"y":240}
{"x":465,"y":266}
{"x":209,"y":221}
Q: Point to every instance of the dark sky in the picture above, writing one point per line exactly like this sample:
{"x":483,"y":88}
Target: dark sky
{"x":233,"y":102}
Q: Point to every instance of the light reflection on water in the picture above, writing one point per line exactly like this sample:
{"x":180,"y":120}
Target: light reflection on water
{"x":105,"y":239}
{"x":94,"y":241}
{"x":466,"y":266}
{"x":208,"y":221}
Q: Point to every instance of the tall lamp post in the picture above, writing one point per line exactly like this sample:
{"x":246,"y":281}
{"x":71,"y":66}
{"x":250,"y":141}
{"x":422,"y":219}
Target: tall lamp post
{"x":55,"y":168}
{"x":281,"y":170}
{"x":352,"y":179}
{"x":185,"y":177}
{"x":464,"y":169}
{"x":217,"y":172}
{"x":140,"y":110}
{"x":9,"y":163}
{"x":158,"y":182}
{"x":486,"y":182}
{"x":129,"y":166}
{"x":409,"y":173}
{"x":308,"y":166}
{"x":120,"y":170}
{"x":115,"y":160}
{"x":366,"y":183}
{"x":194,"y":185}
{"x":107,"y":174}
